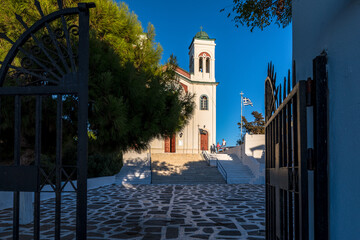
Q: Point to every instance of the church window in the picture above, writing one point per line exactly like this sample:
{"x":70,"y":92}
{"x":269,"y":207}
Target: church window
{"x":200,"y":64}
{"x":207,"y":65}
{"x":204,"y":102}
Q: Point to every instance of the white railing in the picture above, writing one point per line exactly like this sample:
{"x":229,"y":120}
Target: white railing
{"x":206,"y":156}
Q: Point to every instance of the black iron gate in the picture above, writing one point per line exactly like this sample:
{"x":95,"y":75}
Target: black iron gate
{"x":49,"y":60}
{"x":286,"y":166}
{"x":296,"y":148}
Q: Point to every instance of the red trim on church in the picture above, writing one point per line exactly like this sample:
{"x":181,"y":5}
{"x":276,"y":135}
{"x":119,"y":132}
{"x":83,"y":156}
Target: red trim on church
{"x":204,"y":54}
{"x":182,"y":72}
{"x":185,"y":87}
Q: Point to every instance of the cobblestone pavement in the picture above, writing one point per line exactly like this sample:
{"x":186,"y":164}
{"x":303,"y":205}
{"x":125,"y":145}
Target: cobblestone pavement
{"x":158,"y":212}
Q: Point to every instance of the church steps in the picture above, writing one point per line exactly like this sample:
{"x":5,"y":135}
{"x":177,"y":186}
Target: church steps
{"x":175,"y":158}
{"x":237,"y":172}
{"x":183,"y":169}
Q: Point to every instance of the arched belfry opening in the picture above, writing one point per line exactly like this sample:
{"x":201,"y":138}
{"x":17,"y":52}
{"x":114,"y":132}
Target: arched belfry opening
{"x":207,"y":65}
{"x":204,"y":62}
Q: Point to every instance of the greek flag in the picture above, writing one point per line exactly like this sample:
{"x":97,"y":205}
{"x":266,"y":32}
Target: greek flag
{"x":247,"y":102}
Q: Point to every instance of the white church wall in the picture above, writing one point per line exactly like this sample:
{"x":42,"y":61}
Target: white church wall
{"x":157,"y":145}
{"x":213,"y":130}
{"x":333,"y":26}
{"x":206,"y":118}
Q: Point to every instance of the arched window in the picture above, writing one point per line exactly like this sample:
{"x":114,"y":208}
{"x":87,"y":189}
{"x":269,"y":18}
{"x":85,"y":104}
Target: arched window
{"x":200,"y":64}
{"x":207,"y":65}
{"x":204,"y":102}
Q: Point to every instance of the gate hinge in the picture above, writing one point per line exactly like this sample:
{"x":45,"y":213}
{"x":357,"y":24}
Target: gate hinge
{"x":310,"y":159}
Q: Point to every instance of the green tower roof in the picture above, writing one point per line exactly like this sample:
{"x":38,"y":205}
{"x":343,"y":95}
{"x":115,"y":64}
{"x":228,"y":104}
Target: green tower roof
{"x":202,"y":35}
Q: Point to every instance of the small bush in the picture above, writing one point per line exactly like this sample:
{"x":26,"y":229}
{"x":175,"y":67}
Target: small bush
{"x":100,"y":165}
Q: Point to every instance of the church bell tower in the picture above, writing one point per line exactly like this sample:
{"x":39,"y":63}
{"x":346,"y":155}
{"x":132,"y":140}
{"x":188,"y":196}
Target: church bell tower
{"x":202,"y":57}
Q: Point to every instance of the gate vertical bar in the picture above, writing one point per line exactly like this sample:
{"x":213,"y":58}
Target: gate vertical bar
{"x":291,"y":168}
{"x":302,"y":162}
{"x":58,"y":166}
{"x":278,"y":165}
{"x":0,"y":130}
{"x":321,"y":148}
{"x":81,"y":215}
{"x":37,"y":163}
{"x":267,"y":156}
{"x":17,"y":151}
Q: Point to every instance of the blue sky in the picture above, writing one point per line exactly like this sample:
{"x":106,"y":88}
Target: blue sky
{"x":241,"y":56}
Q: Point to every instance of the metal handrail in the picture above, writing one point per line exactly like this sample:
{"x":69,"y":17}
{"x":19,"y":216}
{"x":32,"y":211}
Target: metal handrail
{"x":206,"y":156}
{"x":221,"y":170}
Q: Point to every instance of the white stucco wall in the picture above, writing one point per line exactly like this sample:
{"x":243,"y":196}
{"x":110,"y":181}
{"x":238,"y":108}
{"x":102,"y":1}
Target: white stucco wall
{"x":255,"y":145}
{"x":334,"y":26}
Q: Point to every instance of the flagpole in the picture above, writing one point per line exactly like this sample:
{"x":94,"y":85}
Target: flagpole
{"x":241,"y":115}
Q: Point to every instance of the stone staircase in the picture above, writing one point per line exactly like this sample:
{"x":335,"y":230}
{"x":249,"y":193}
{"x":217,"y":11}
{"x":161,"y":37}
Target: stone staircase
{"x":236,"y":171}
{"x":174,"y":168}
{"x":135,"y":170}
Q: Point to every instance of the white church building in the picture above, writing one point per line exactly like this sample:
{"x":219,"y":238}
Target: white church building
{"x":200,"y":133}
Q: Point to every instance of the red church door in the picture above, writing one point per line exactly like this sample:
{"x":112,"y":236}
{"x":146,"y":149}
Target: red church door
{"x":170,"y":144}
{"x":204,"y":140}
{"x":167,"y":144}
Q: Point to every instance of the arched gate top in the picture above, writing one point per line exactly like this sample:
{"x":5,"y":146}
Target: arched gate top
{"x":56,"y":48}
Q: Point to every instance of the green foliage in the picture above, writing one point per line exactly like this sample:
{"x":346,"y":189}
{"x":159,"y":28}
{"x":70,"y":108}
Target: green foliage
{"x":132,"y":98}
{"x":240,"y":141}
{"x":131,"y":105}
{"x":254,"y":127}
{"x":261,"y":13}
{"x":104,"y":164}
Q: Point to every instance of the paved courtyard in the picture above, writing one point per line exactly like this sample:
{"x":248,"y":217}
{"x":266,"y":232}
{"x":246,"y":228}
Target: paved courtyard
{"x":206,"y":211}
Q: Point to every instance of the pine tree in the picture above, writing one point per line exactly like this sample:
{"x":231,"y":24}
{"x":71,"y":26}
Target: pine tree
{"x":256,"y":126}
{"x":132,"y":98}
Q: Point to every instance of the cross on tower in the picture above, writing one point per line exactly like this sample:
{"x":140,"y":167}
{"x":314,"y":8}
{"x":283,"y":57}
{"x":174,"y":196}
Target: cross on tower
{"x":201,"y":28}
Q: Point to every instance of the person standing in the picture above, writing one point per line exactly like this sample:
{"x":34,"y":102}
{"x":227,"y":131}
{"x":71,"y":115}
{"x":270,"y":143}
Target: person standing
{"x":217,"y":147}
{"x":223,"y":145}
